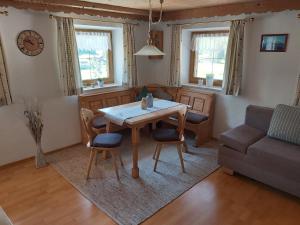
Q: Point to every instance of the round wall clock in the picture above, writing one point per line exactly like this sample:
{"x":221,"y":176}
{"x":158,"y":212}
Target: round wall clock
{"x":30,"y":43}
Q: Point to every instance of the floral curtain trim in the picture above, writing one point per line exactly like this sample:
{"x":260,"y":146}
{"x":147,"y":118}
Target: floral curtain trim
{"x":175,"y":68}
{"x":234,"y":58}
{"x":297,"y":99}
{"x":68,"y":57}
{"x":130,"y":78}
{"x":5,"y":96}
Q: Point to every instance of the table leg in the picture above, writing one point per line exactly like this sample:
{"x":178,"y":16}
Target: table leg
{"x":108,"y":130}
{"x":135,"y":152}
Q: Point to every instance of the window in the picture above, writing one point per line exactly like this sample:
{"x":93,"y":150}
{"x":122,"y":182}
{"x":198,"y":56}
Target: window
{"x":208,"y":56}
{"x":95,"y":57}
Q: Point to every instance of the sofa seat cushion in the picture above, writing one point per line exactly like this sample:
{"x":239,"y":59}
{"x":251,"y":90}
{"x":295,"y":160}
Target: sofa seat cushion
{"x":164,"y":134}
{"x":194,"y":118}
{"x":241,"y":137}
{"x":99,"y":122}
{"x":107,"y":140}
{"x":282,"y":158}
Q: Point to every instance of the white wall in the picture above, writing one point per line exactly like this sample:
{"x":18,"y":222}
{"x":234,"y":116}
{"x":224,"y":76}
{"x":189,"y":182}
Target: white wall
{"x":34,"y":77}
{"x":269,"y":78}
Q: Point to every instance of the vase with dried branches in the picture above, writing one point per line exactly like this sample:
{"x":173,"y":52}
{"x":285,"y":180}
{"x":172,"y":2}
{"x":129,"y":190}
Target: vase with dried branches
{"x":33,"y":113}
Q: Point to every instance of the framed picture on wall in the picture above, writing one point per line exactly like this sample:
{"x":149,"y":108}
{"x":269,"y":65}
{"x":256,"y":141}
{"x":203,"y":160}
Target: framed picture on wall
{"x":273,"y":42}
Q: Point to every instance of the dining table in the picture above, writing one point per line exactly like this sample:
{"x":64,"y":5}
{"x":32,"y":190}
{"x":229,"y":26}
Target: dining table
{"x":132,"y":116}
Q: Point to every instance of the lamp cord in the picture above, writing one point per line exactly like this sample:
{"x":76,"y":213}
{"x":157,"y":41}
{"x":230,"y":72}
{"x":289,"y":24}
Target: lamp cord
{"x":149,"y":41}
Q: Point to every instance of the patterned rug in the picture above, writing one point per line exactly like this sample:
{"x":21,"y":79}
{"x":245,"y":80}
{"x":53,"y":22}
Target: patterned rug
{"x":131,"y":201}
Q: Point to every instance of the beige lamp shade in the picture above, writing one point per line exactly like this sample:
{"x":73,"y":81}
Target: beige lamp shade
{"x":149,"y":50}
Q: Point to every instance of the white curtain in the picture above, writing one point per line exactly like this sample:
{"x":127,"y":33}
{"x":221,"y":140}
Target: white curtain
{"x":68,"y":57}
{"x":130,"y":78}
{"x":5,"y":96}
{"x":234,"y":58}
{"x":174,"y":79}
{"x":206,"y":44}
{"x":88,"y":39}
{"x":297,"y":98}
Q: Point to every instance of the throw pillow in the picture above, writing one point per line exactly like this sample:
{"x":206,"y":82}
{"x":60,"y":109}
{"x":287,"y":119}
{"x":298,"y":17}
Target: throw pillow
{"x":285,"y":124}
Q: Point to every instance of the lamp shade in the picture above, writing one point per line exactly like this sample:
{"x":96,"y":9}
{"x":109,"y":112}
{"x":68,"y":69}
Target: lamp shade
{"x":149,"y":50}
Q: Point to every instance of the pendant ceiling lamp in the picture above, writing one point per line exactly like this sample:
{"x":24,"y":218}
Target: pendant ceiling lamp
{"x":150,"y":49}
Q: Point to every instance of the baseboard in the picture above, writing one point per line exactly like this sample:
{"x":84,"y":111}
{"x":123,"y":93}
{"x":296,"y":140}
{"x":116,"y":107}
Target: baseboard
{"x":11,"y":164}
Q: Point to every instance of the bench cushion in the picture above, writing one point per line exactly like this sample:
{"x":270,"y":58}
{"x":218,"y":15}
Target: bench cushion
{"x":166,"y":135}
{"x":241,"y":137}
{"x":280,"y":157}
{"x":99,"y":122}
{"x":194,"y":118}
{"x":108,"y":140}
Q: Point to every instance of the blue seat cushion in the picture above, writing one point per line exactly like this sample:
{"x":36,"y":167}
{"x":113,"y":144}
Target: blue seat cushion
{"x":194,"y":118}
{"x":107,"y":140}
{"x":98,"y":122}
{"x":166,"y":135}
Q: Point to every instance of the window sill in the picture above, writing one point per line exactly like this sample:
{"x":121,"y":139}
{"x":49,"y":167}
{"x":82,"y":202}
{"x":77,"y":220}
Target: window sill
{"x":214,"y":88}
{"x":106,"y":87}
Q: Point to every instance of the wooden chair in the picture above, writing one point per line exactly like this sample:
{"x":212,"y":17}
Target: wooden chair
{"x":107,"y":142}
{"x":175,"y":136}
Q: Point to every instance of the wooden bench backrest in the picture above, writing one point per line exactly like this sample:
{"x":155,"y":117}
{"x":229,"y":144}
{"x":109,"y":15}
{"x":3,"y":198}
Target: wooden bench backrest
{"x":153,"y":87}
{"x":200,"y":101}
{"x":106,"y":99}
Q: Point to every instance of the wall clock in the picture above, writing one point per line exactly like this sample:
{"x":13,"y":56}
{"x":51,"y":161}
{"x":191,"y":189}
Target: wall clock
{"x":30,"y":43}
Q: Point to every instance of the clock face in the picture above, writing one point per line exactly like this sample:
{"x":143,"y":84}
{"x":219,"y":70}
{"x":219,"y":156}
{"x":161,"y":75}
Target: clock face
{"x":30,"y":43}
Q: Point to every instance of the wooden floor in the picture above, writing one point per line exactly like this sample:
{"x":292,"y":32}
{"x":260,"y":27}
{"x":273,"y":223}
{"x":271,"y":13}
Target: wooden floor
{"x":43,"y":197}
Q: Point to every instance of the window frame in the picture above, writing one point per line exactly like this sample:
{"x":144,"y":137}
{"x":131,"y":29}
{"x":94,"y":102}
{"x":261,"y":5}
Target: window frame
{"x":192,"y":78}
{"x":111,"y":76}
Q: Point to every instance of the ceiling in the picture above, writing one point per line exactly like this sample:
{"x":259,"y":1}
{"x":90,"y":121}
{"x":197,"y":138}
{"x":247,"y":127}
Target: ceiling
{"x":169,"y":4}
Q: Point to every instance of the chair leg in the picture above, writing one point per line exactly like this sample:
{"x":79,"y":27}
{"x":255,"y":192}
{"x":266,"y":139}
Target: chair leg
{"x":185,"y":147}
{"x":154,"y":155}
{"x":120,"y":157}
{"x":96,"y":158}
{"x":92,"y":155}
{"x":180,"y":157}
{"x":115,"y":164}
{"x":157,"y":155}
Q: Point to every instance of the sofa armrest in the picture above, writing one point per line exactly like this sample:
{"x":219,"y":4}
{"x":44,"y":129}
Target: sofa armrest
{"x":258,"y":117}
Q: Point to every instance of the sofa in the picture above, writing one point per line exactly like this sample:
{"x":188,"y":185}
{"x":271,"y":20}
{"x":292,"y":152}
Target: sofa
{"x":248,"y":150}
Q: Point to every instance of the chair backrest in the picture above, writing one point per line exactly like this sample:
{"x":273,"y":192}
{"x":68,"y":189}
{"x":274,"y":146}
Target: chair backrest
{"x":181,"y":121}
{"x":87,"y":118}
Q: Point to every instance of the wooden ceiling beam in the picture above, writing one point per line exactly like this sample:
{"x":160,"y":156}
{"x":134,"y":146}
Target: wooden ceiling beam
{"x":68,"y":9}
{"x":233,"y":9}
{"x":93,"y":5}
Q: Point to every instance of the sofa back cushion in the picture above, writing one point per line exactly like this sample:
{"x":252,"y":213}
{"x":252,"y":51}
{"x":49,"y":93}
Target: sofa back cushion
{"x":258,"y":117}
{"x":285,"y":124}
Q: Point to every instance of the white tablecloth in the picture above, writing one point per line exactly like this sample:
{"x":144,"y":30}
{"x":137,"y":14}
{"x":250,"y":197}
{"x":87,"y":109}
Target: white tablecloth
{"x":119,"y":115}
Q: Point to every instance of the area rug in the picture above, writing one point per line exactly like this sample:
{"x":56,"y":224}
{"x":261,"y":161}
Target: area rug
{"x":131,"y":201}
